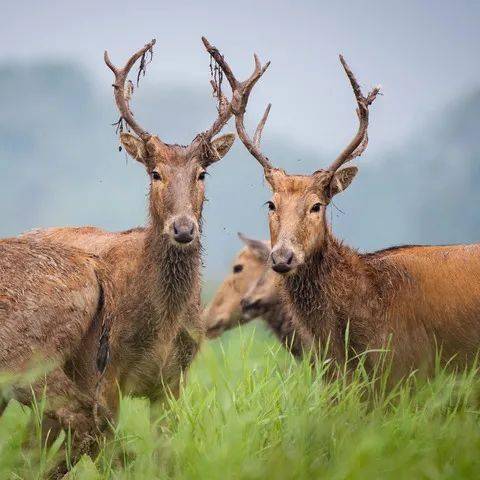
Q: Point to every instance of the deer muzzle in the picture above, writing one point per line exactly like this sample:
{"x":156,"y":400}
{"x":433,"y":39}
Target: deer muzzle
{"x":283,"y":259}
{"x":183,"y":229}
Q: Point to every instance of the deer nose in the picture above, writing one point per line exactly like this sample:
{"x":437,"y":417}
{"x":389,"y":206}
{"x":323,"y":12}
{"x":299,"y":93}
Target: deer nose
{"x":248,"y":304}
{"x":183,"y":229}
{"x":282,"y":259}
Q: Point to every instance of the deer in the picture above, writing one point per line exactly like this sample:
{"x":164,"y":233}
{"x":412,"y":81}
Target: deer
{"x":154,"y":327}
{"x":250,"y":291}
{"x":415,"y":302}
{"x":53,"y":303}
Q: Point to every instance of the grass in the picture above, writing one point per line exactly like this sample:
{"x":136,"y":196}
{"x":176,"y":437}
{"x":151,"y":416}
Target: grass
{"x":249,"y":411}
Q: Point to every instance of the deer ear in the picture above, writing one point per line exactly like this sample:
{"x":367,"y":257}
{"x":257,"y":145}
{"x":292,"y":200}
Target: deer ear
{"x":259,"y":248}
{"x":134,"y":146}
{"x":220,"y":146}
{"x":342,"y":179}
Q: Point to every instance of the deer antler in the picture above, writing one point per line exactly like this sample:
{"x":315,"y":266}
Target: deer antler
{"x":123,"y":92}
{"x":237,"y":106}
{"x":359,"y":143}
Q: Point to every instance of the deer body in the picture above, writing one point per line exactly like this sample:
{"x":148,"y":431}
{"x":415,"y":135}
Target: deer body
{"x":52,"y":302}
{"x":391,"y":299}
{"x":68,"y":283}
{"x":156,"y":292}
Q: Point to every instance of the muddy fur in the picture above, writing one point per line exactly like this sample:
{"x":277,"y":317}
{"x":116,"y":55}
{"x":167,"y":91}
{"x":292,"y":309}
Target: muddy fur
{"x":52,"y":304}
{"x":156,"y":328}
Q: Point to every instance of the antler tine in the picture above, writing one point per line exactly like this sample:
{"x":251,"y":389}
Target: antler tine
{"x":257,"y":137}
{"x":254,"y":146}
{"x":219,"y":58}
{"x":359,"y":143}
{"x":240,"y":93}
{"x":122,"y":96}
{"x":223,"y":102}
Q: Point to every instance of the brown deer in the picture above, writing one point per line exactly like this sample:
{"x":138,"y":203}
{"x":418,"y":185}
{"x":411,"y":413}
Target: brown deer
{"x":155,"y":271}
{"x":411,"y":299}
{"x":250,"y":291}
{"x":52,"y":313}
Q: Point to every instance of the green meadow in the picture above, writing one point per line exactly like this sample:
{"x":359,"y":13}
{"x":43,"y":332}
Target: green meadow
{"x":250,"y":411}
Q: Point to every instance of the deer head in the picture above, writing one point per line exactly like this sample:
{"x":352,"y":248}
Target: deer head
{"x":262,"y":293}
{"x":297,"y":219}
{"x":226,"y":310}
{"x":176,"y":172}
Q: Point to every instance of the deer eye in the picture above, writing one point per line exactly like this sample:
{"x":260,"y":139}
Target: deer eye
{"x":201,"y":175}
{"x":270,"y":205}
{"x":237,"y":268}
{"x":316,"y":207}
{"x":156,"y":175}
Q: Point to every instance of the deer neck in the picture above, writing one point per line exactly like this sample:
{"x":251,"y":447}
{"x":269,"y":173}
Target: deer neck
{"x":172,"y":275}
{"x":328,"y":292}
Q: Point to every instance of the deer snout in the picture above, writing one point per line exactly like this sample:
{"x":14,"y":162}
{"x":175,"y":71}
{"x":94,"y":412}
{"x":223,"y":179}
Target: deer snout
{"x":215,"y":330}
{"x":183,"y":229}
{"x":283,"y":259}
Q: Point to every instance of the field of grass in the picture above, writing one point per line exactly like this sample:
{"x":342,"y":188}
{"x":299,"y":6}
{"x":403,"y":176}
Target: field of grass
{"x":249,"y":411}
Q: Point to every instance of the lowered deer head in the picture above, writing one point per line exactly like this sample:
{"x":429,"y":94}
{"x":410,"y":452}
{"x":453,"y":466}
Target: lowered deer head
{"x":176,"y":172}
{"x":225,"y":311}
{"x":297,"y":219}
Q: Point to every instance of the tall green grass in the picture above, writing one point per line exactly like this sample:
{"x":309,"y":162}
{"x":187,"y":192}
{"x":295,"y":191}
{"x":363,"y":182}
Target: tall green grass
{"x":249,"y":411}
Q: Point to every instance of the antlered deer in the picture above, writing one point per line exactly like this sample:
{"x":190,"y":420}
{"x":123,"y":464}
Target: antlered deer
{"x":250,"y":291}
{"x":413,"y":299}
{"x":155,"y":271}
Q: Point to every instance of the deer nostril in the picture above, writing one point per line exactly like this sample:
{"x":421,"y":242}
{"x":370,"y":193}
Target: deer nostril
{"x":290,"y":258}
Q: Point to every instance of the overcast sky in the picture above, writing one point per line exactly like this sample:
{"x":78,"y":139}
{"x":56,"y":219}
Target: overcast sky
{"x":424,"y":53}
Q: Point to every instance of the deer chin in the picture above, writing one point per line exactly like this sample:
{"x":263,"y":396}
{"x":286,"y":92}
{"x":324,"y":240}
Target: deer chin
{"x":254,"y":308}
{"x":256,"y":312}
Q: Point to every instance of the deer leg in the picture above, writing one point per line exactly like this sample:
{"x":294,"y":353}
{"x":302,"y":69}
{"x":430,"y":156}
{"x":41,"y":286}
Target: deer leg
{"x":67,"y":408}
{"x":186,"y":347}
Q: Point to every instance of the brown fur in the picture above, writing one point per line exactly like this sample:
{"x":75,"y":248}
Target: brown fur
{"x":412,"y":298}
{"x":52,"y":304}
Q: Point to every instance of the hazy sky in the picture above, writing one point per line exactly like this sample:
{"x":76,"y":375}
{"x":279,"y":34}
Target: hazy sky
{"x":424,"y":53}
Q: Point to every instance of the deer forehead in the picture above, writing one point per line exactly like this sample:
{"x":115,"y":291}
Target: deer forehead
{"x":296,"y":191}
{"x":246,"y":256}
{"x":301,"y":189}
{"x":177,"y":169}
{"x":292,"y":184}
{"x":174,"y":155}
